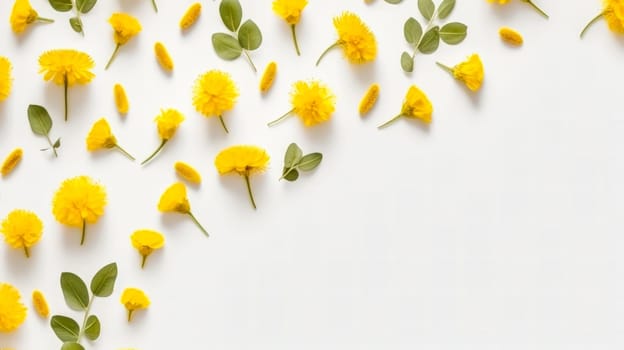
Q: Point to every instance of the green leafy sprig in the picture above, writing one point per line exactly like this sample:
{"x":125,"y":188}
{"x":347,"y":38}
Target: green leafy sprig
{"x":82,"y":7}
{"x":295,"y":161}
{"x":41,"y":124}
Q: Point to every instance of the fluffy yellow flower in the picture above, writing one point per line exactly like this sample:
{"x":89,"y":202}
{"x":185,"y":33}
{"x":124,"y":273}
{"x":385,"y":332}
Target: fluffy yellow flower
{"x":312,"y":101}
{"x":290,"y":11}
{"x":415,"y":106}
{"x":268,"y":77}
{"x":23,"y":14}
{"x":174,"y":200}
{"x":530,"y":2}
{"x":12,"y":311}
{"x":100,"y":137}
{"x":369,"y":99}
{"x":167,"y":123}
{"x":125,"y":27}
{"x":242,"y":160}
{"x":187,"y":172}
{"x":121,"y":99}
{"x":190,"y":16}
{"x":214,"y":93}
{"x":163,"y":57}
{"x":146,"y":241}
{"x":134,"y":299}
{"x":510,"y":36}
{"x":613,"y":13}
{"x":11,"y":161}
{"x":40,"y":304}
{"x":22,"y":229}
{"x":5,"y":78}
{"x":356,"y":39}
{"x":79,"y":201}
{"x":470,"y":72}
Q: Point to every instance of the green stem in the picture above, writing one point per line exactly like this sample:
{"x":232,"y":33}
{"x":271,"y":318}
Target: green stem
{"x":155,"y":7}
{"x":286,"y":173}
{"x":251,"y":197}
{"x":52,"y":145}
{"x":143,"y":261}
{"x":125,"y":153}
{"x":198,"y":224}
{"x":253,"y":66}
{"x":389,"y":122}
{"x":65,"y":84}
{"x":84,"y":320}
{"x":26,"y":252}
{"x":336,"y":44}
{"x":294,"y":35}
{"x":539,"y":10}
{"x":223,"y":124}
{"x":162,"y":144}
{"x":445,"y":67}
{"x":45,"y":20}
{"x":110,"y":60}
{"x":594,"y":20}
{"x":278,"y":120}
{"x":84,"y":231}
{"x":130,"y":315}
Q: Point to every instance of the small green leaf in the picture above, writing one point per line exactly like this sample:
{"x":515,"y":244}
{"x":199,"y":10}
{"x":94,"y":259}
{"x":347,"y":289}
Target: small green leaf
{"x":74,"y":291}
{"x":65,"y":328}
{"x":407,"y":63}
{"x":445,"y":9}
{"x":39,"y":119}
{"x":427,"y":8}
{"x":394,"y":2}
{"x":231,"y":14}
{"x":249,"y":36}
{"x":61,"y":5}
{"x":453,"y":33}
{"x":430,"y":41}
{"x":310,"y":161}
{"x":103,"y":282}
{"x":92,"y":328}
{"x":291,"y":175}
{"x":57,"y":143}
{"x":226,"y":46}
{"x":84,"y":6}
{"x":72,"y":346}
{"x":412,"y":31}
{"x":76,"y":24}
{"x":293,"y":155}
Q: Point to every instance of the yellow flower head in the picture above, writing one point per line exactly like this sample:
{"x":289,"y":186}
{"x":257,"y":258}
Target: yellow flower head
{"x":356,"y":39}
{"x":510,"y":36}
{"x":71,"y":65}
{"x":134,"y":299}
{"x":168,"y":122}
{"x":187,"y":172}
{"x":121,"y":99}
{"x":417,"y":105}
{"x":146,"y":241}
{"x":243,"y":160}
{"x":12,"y":311}
{"x":40,"y":303}
{"x":614,"y":15}
{"x":100,"y":136}
{"x":268,"y":77}
{"x":369,"y":99}
{"x":313,"y":102}
{"x":23,"y":14}
{"x":174,"y":199}
{"x":289,"y":10}
{"x":125,"y":27}
{"x":22,"y":230}
{"x":190,"y":16}
{"x":470,"y":72}
{"x":11,"y":161}
{"x":5,"y":78}
{"x":163,"y":57}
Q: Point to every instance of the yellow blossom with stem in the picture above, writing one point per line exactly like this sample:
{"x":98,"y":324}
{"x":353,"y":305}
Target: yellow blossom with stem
{"x":290,"y":11}
{"x":175,"y":200}
{"x":510,"y":36}
{"x":415,"y":106}
{"x":134,"y":299}
{"x":167,"y":123}
{"x":100,"y":137}
{"x":613,"y":13}
{"x":187,"y":172}
{"x":268,"y":77}
{"x":79,"y":201}
{"x":67,"y":68}
{"x":40,"y":304}
{"x":190,"y":16}
{"x":369,"y":99}
{"x":529,"y":2}
{"x":5,"y":78}
{"x":163,"y":57}
{"x":22,"y":229}
{"x":121,"y":99}
{"x":11,"y":161}
{"x":12,"y":311}
{"x":125,"y":27}
{"x":215,"y":93}
{"x":470,"y":72}
{"x":243,"y":160}
{"x":357,"y":41}
{"x":23,"y":14}
{"x":312,"y":101}
{"x":146,"y":242}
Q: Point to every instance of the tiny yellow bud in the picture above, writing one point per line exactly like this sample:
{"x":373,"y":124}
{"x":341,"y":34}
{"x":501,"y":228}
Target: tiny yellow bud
{"x":511,"y":36}
{"x":40,"y":304}
{"x":369,"y":99}
{"x":268,"y":77}
{"x":11,"y":161}
{"x":190,"y":16}
{"x":162,"y":56}
{"x":121,"y":99}
{"x":187,"y":172}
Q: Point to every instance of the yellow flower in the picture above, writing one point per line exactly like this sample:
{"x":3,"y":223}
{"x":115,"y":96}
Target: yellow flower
{"x":146,"y":241}
{"x":190,"y":16}
{"x":187,"y":172}
{"x":470,"y":72}
{"x":67,"y":68}
{"x":268,"y":77}
{"x":369,"y":99}
{"x":613,"y":13}
{"x":312,"y":101}
{"x":415,"y":106}
{"x":163,"y":57}
{"x":12,"y":311}
{"x":167,"y":123}
{"x":134,"y":299}
{"x":22,"y":229}
{"x":5,"y":78}
{"x":530,"y":2}
{"x":100,"y":137}
{"x":214,"y":93}
{"x":242,"y":160}
{"x":290,"y":11}
{"x":121,"y":99}
{"x":11,"y":161}
{"x":356,"y":39}
{"x":510,"y":36}
{"x":40,"y":304}
{"x":174,"y":200}
{"x":23,"y":14}
{"x":79,"y":201}
{"x":125,"y":27}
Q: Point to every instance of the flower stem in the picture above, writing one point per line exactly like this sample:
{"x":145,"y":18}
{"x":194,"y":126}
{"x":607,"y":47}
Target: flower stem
{"x":110,"y":60}
{"x":251,"y":197}
{"x":336,"y":44}
{"x":162,"y":144}
{"x":26,"y":252}
{"x":389,"y":122}
{"x":198,"y":224}
{"x":155,"y":7}
{"x":45,"y":20}
{"x":143,"y":261}
{"x":253,"y":66}
{"x":130,"y":315}
{"x":445,"y":67}
{"x":125,"y":153}
{"x":280,"y":119}
{"x":539,"y":10}
{"x":65,"y":84}
{"x":294,"y":35}
{"x":84,"y":232}
{"x":223,"y":124}
{"x":52,"y":146}
{"x":594,"y":20}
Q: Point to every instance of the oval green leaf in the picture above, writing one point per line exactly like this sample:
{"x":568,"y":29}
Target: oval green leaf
{"x":426,"y":8}
{"x":226,"y":46}
{"x":293,"y":155}
{"x":445,"y":9}
{"x":453,"y":33}
{"x":39,"y":119}
{"x":61,"y":5}
{"x":430,"y":41}
{"x":72,"y":346}
{"x":310,"y":161}
{"x":74,"y":291}
{"x":407,"y":63}
{"x":76,"y":24}
{"x":231,"y":14}
{"x":92,"y":328}
{"x":412,"y":31}
{"x":84,"y":6}
{"x":293,"y":175}
{"x":249,"y":36}
{"x":65,"y":328}
{"x":103,"y":283}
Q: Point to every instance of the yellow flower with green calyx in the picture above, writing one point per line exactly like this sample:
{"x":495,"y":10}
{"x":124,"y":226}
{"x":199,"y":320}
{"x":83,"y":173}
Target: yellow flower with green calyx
{"x":613,"y":13}
{"x":22,"y":229}
{"x":529,"y":2}
{"x":174,"y":200}
{"x":12,"y":311}
{"x":134,"y":299}
{"x":146,"y":242}
{"x":215,"y":93}
{"x":290,"y":11}
{"x":5,"y":78}
{"x":100,"y":137}
{"x":470,"y":72}
{"x":242,"y":160}
{"x":357,"y":41}
{"x":312,"y":101}
{"x":167,"y":123}
{"x":23,"y":15}
{"x":125,"y":27}
{"x":415,"y":106}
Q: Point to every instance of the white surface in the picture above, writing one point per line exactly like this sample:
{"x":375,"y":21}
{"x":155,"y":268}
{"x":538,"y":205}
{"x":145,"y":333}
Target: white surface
{"x":497,"y":228}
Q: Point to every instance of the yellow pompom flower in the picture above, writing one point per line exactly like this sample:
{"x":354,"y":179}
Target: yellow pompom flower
{"x":125,"y":27}
{"x":187,"y":172}
{"x":613,"y":13}
{"x":244,"y":161}
{"x":5,"y":78}
{"x":415,"y":106}
{"x":121,"y":99}
{"x":12,"y":311}
{"x":79,"y":201}
{"x":134,"y":299}
{"x":67,"y":68}
{"x":268,"y":77}
{"x":369,"y":99}
{"x":290,"y":11}
{"x":163,"y":57}
{"x":100,"y":137}
{"x":530,"y":2}
{"x":40,"y":304}
{"x":312,"y":101}
{"x":214,"y":93}
{"x":23,"y":14}
{"x":510,"y":36}
{"x":470,"y":72}
{"x":174,"y":200}
{"x":146,"y":241}
{"x":356,"y":39}
{"x":190,"y":16}
{"x":22,"y":230}
{"x":11,"y":161}
{"x":167,"y":123}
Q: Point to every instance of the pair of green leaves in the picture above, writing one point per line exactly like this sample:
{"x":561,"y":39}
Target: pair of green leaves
{"x":77,"y":298}
{"x":295,"y":161}
{"x":41,"y":124}
{"x":427,"y":41}
{"x":82,"y":7}
{"x":247,"y":36}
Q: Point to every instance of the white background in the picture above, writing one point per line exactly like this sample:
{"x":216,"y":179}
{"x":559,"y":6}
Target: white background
{"x":497,"y":227}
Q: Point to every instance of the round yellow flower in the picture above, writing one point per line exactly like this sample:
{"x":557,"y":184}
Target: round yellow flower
{"x":146,"y":241}
{"x":79,"y":201}
{"x":134,"y":299}
{"x":121,"y":99}
{"x":125,"y":27}
{"x":415,"y":106}
{"x":187,"y":172}
{"x":5,"y":78}
{"x":23,"y":14}
{"x":174,"y":200}
{"x":214,"y":93}
{"x":12,"y":311}
{"x":190,"y":16}
{"x":242,"y":160}
{"x":356,"y":39}
{"x":470,"y":72}
{"x":11,"y":161}
{"x":22,"y":229}
{"x":40,"y":303}
{"x":312,"y":101}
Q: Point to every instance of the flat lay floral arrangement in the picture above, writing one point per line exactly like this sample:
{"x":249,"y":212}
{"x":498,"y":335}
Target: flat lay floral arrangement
{"x":80,"y":201}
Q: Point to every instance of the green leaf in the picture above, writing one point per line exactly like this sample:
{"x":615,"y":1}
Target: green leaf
{"x":39,"y":119}
{"x":249,"y":35}
{"x":74,"y":291}
{"x":231,"y":14}
{"x":84,"y":6}
{"x":92,"y":328}
{"x":76,"y":24}
{"x":226,"y":46}
{"x":65,"y":328}
{"x":412,"y":31}
{"x":103,"y":282}
{"x":72,"y":346}
{"x":394,"y":2}
{"x":310,"y":161}
{"x":57,"y":143}
{"x":407,"y":63}
{"x":293,"y":155}
{"x":445,"y":9}
{"x":453,"y":33}
{"x":292,"y":175}
{"x":426,"y":8}
{"x":430,"y":41}
{"x":61,"y":5}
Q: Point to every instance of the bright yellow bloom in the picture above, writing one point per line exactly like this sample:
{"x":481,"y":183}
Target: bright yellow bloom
{"x":187,"y":172}
{"x":167,"y":123}
{"x":174,"y":200}
{"x":613,"y":13}
{"x":125,"y":27}
{"x":242,"y":160}
{"x":11,"y":161}
{"x":163,"y":57}
{"x":214,"y":93}
{"x":356,"y":39}
{"x":190,"y":16}
{"x":415,"y":106}
{"x":290,"y":11}
{"x":312,"y":101}
{"x":530,"y":2}
{"x":100,"y":137}
{"x":22,"y":229}
{"x":470,"y":72}
{"x":510,"y":36}
{"x":40,"y":303}
{"x":23,"y":14}
{"x":146,"y":241}
{"x":79,"y":201}
{"x":121,"y":99}
{"x":268,"y":77}
{"x":134,"y":299}
{"x":5,"y":78}
{"x":12,"y":311}
{"x":369,"y":99}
